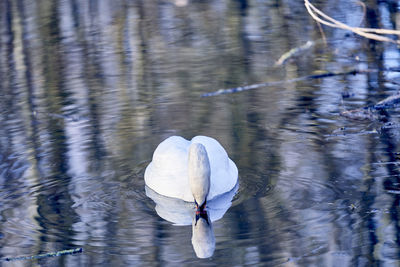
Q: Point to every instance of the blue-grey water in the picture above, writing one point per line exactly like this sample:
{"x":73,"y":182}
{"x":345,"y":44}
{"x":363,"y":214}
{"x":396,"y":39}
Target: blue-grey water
{"x":88,"y":89}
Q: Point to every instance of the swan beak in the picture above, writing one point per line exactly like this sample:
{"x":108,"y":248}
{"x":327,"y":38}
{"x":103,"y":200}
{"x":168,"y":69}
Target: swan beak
{"x":202,"y":207}
{"x":201,"y":212}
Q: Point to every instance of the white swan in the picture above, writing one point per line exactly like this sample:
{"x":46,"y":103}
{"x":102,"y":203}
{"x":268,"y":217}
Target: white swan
{"x":196,"y":170}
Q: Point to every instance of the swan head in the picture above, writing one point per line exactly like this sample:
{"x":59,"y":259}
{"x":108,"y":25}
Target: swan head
{"x":199,"y":174}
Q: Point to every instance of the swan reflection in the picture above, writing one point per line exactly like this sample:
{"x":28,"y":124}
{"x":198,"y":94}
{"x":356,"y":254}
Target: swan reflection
{"x":203,"y":239}
{"x":180,"y":212}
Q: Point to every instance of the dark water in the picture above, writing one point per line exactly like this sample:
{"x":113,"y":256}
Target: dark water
{"x":88,"y":89}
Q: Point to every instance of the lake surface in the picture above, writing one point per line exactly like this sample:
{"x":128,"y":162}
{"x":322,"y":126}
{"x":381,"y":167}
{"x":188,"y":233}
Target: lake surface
{"x":88,"y":89}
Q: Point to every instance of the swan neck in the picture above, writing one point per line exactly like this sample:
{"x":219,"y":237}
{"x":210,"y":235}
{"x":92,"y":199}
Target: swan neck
{"x":199,"y":173}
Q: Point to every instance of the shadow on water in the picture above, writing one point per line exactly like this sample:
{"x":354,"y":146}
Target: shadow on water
{"x":89,"y":89}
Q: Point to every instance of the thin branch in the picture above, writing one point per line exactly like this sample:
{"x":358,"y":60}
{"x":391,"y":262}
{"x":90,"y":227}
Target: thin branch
{"x":292,"y":52}
{"x":370,"y":33}
{"x":308,"y":77}
{"x":45,"y":255}
{"x":364,"y":8}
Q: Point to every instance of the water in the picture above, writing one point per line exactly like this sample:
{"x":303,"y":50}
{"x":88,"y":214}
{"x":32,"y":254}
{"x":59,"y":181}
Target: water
{"x":89,"y":89}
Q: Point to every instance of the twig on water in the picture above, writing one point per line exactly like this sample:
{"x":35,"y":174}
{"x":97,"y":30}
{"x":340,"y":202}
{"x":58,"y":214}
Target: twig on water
{"x":293,"y":52}
{"x":45,"y":255}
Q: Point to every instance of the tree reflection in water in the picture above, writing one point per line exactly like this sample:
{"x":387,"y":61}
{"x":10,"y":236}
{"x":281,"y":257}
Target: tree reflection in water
{"x":88,"y":89}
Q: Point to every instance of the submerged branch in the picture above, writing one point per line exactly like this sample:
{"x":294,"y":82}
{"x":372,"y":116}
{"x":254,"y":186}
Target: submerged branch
{"x":372,"y":112}
{"x":388,"y":102}
{"x":308,"y":77}
{"x":46,"y":255}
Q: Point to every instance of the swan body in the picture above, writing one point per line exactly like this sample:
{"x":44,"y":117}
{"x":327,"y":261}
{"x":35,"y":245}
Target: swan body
{"x":199,"y":169}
